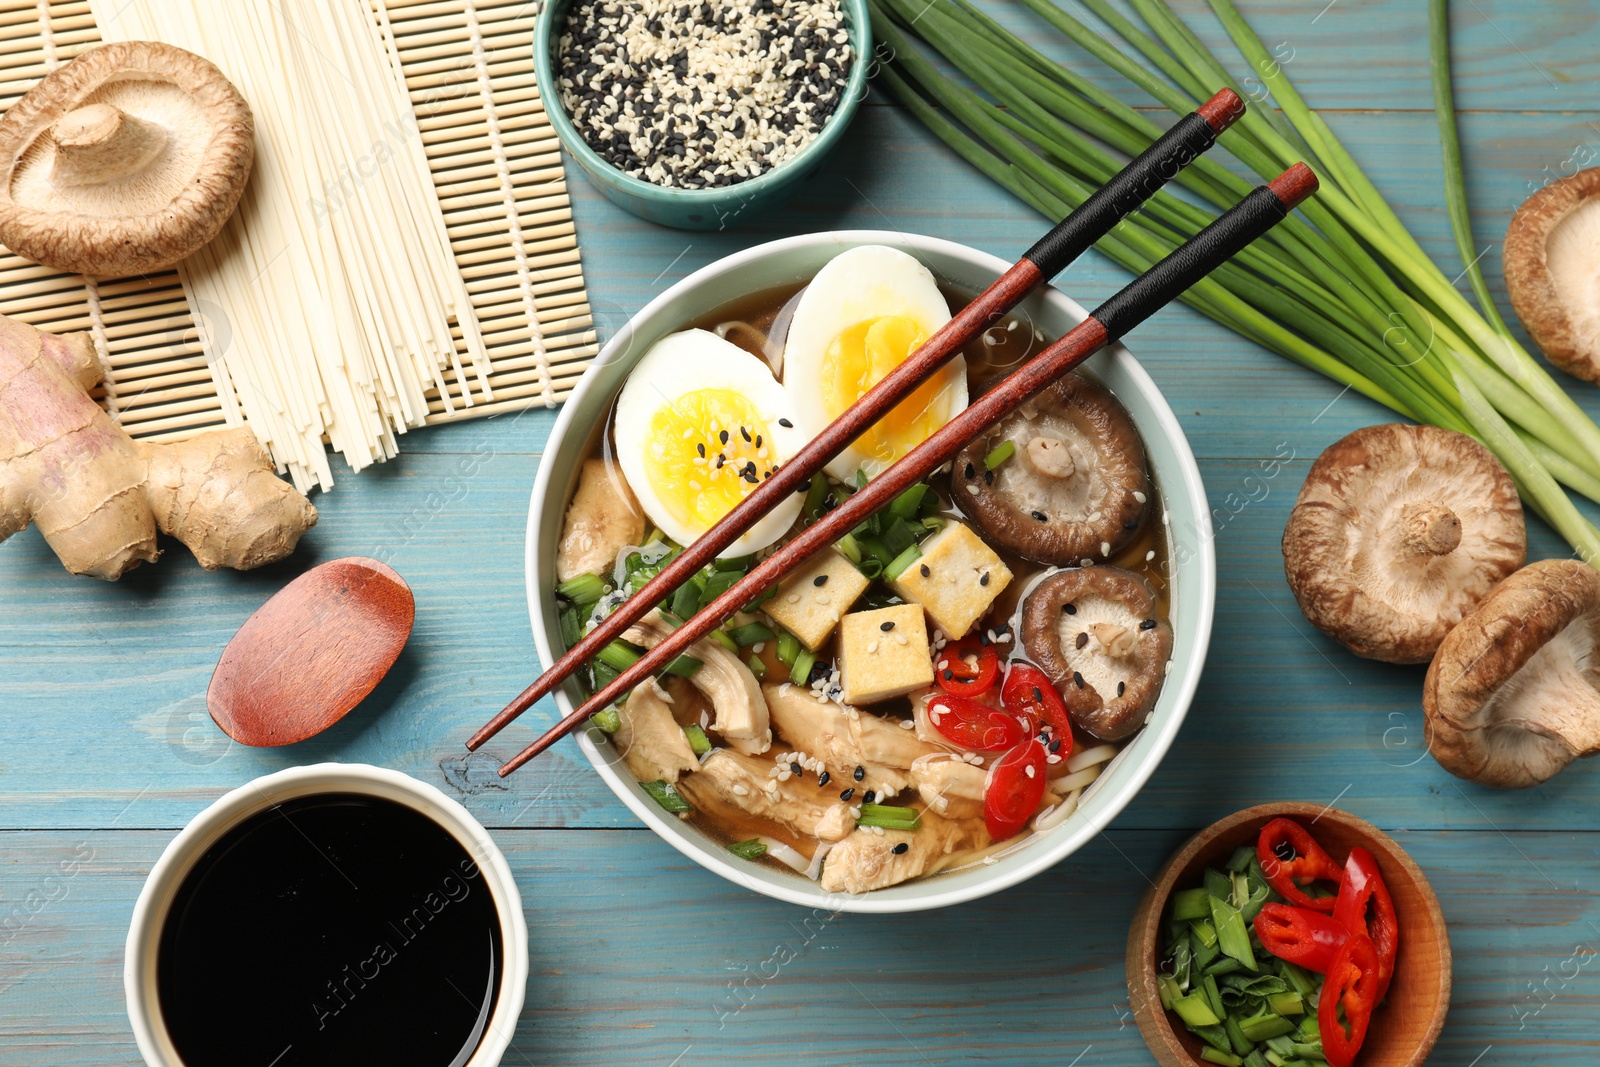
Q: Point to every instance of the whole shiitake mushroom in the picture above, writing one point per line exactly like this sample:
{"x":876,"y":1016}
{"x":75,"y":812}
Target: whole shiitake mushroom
{"x":1552,"y":265}
{"x":1513,"y":696}
{"x":123,"y":161}
{"x":1397,"y":533}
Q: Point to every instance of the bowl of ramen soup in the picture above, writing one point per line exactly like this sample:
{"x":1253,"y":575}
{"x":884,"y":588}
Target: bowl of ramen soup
{"x":951,"y":698}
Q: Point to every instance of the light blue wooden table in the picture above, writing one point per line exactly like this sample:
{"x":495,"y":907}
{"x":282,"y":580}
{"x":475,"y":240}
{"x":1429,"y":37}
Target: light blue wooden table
{"x":639,"y":958}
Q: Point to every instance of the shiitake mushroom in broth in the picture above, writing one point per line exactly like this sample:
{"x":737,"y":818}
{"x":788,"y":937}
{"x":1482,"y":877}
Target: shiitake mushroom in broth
{"x":919,"y":695}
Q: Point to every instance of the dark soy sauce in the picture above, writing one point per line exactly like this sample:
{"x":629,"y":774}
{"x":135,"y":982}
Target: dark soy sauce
{"x":331,"y":929}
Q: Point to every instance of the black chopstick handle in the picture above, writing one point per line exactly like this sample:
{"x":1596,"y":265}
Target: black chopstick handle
{"x":1260,"y":210}
{"x":1135,"y":183}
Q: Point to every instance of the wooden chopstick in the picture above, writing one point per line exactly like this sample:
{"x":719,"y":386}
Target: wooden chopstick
{"x":1251,"y":217}
{"x":1092,"y":220}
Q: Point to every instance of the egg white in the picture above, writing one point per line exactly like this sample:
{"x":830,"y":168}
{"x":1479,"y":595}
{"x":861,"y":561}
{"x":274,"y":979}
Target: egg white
{"x":866,"y":282}
{"x":684,"y":363}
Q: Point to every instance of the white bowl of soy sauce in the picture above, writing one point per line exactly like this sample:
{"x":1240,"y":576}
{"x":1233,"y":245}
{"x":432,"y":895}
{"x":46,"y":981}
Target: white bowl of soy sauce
{"x":329,"y":914}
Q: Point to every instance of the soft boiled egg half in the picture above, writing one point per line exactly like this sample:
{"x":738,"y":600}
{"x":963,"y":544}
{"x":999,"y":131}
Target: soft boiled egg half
{"x":700,"y":423}
{"x":861,"y":316}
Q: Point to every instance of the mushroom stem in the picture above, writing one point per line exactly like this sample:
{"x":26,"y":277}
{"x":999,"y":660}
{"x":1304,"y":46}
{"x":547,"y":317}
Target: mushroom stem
{"x":1051,"y":457}
{"x":1431,"y":529}
{"x":99,"y":143}
{"x":1117,"y":641}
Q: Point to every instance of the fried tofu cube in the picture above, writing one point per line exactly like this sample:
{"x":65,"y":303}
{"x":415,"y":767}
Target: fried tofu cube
{"x":811,"y":601}
{"x":884,"y":653}
{"x":955,"y":580}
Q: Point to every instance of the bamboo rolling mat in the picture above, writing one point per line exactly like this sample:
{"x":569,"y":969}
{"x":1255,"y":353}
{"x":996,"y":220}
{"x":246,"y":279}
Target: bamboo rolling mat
{"x":496,"y":167}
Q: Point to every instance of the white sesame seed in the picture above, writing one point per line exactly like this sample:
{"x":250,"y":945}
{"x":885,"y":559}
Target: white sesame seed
{"x":1140,"y":497}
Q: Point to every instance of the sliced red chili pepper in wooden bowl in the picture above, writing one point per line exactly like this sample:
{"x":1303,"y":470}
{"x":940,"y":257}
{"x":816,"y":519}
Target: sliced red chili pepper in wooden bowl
{"x":1304,"y":937}
{"x":1351,"y":989}
{"x":976,"y":727}
{"x":967,"y":668}
{"x":1365,"y":907}
{"x":1291,"y":858}
{"x":1027,"y":690}
{"x":1013,"y":790}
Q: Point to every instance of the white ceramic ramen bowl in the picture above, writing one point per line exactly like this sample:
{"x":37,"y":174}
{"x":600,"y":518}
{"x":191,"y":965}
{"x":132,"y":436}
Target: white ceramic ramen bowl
{"x":1193,"y":565}
{"x":149,"y":914}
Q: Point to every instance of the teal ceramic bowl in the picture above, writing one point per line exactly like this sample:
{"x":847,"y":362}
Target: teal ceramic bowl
{"x":698,"y":209}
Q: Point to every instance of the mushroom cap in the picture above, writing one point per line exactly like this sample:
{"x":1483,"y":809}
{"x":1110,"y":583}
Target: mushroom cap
{"x":123,"y":161}
{"x":1398,"y":531}
{"x":1108,"y":654}
{"x":1514,"y":694}
{"x":1079,"y":463}
{"x":1552,"y":265}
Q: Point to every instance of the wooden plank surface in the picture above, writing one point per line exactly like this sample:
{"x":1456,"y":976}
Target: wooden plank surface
{"x":636,"y":954}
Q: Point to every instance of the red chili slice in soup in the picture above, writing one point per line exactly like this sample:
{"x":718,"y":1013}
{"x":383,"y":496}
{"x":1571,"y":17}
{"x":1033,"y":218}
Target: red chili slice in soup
{"x":1014,"y":788}
{"x":1028,"y":691}
{"x":977,"y":727}
{"x":967,"y":668}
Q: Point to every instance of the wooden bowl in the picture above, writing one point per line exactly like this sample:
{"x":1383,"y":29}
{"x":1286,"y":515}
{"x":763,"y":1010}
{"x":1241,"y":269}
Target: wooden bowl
{"x":1404,"y":1027}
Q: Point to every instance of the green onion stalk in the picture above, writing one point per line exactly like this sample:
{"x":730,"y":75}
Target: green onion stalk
{"x":1342,"y":287}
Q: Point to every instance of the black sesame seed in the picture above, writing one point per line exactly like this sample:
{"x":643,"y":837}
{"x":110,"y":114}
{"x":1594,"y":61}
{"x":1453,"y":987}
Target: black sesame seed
{"x":1038,"y":695}
{"x":758,"y":440}
{"x":1039,"y":516}
{"x":886,"y":627}
{"x":971,"y":471}
{"x":949,"y":675}
{"x":985,"y":579}
{"x":701,"y":449}
{"x":1055,"y":746}
{"x":723,"y":437}
{"x":785,"y":423}
{"x":822,"y":779}
{"x":900,"y":849}
{"x":848,"y":793}
{"x":1121,"y":688}
{"x":1070,"y":609}
{"x":742,"y":431}
{"x":1077,"y":679}
{"x":1148,"y":624}
{"x":925,"y":571}
{"x":796,"y":769}
{"x":861,"y":772}
{"x":988,"y":477}
{"x":1083,"y":639}
{"x":820,"y":580}
{"x":869,"y":797}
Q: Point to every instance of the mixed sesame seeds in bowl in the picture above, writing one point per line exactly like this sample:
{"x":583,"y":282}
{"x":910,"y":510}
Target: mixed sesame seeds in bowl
{"x":1189,"y":568}
{"x":698,"y":114}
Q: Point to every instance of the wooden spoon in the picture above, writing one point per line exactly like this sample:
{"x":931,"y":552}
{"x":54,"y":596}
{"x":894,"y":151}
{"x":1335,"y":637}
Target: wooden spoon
{"x":311,"y":653}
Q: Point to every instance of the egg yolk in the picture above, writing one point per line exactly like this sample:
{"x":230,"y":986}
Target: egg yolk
{"x":704,"y":452}
{"x":858,"y":359}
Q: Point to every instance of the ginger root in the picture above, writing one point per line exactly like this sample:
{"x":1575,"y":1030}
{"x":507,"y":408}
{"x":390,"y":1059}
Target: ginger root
{"x":99,"y":497}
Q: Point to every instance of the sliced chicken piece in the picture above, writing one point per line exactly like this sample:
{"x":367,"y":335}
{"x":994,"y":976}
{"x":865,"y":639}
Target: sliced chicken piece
{"x":867,"y":860}
{"x":950,"y":786}
{"x":846,"y":738}
{"x":650,"y":740}
{"x":734,"y":779}
{"x":741,"y":710}
{"x":604,"y":518}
